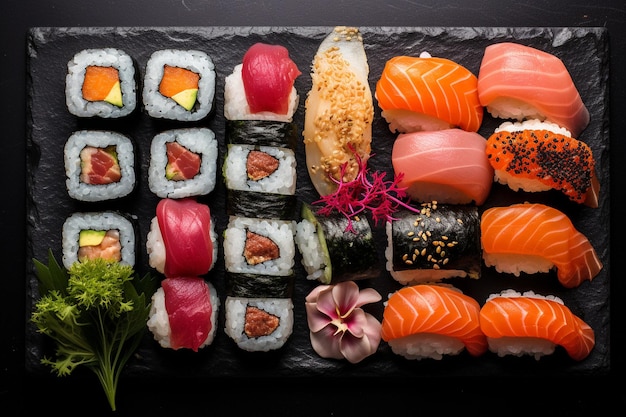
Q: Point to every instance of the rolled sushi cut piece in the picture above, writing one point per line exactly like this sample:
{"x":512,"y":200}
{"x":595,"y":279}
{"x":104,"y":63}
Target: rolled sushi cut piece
{"x":183,"y":163}
{"x":259,"y":324}
{"x":106,"y":235}
{"x":179,"y":85}
{"x":262,"y":133}
{"x":101,"y":83}
{"x":182,"y":238}
{"x":183,"y":313}
{"x":260,"y":181}
{"x":259,"y":246}
{"x":442,"y":241}
{"x":99,"y":165}
{"x":330,"y":253}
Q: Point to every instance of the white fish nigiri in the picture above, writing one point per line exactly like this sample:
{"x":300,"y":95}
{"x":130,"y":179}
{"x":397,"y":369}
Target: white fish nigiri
{"x":338,"y":110}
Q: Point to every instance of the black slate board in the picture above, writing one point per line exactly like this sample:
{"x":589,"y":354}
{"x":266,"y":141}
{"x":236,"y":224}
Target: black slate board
{"x":583,"y":50}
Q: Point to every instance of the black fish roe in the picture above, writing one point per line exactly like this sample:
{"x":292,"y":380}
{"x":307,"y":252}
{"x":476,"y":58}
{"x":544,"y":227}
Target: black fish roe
{"x":561,"y":162}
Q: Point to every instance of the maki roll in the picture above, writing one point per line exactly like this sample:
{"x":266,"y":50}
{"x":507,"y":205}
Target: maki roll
{"x":105,"y":235}
{"x":260,"y":179}
{"x":442,"y":241}
{"x":183,"y":163}
{"x":259,"y":246}
{"x":183,"y":313}
{"x":101,"y":82}
{"x":259,"y":324}
{"x":179,"y":85}
{"x":99,"y":165}
{"x":182,"y":238}
{"x":330,"y":253}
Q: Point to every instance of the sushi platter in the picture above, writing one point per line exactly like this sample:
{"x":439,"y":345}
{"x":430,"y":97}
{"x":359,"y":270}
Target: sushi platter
{"x":584,"y":51}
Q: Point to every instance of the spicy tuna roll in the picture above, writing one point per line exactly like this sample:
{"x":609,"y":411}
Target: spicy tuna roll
{"x":259,"y":324}
{"x":106,"y":235}
{"x":183,"y":163}
{"x":259,"y":246}
{"x":99,"y":165}
{"x":101,"y":82}
{"x":260,"y":181}
{"x":179,"y":85}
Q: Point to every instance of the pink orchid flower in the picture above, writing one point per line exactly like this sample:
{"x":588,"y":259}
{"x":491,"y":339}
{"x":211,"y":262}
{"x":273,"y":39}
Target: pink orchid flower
{"x":339,"y":328}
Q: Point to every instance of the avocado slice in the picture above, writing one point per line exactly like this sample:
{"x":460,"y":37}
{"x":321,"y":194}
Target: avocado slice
{"x":186,"y":98}
{"x":91,"y":237}
{"x":115,"y":95}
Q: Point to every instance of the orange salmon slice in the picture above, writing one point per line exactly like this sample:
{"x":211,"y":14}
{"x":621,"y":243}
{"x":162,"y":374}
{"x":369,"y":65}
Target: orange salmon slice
{"x":177,"y":79}
{"x":99,"y":81}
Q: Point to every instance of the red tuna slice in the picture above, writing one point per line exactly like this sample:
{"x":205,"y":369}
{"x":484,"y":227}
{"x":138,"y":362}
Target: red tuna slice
{"x":99,"y":165}
{"x":182,"y":164}
{"x":448,"y":166}
{"x":185,"y":226}
{"x":189,"y":309}
{"x":268,"y":76}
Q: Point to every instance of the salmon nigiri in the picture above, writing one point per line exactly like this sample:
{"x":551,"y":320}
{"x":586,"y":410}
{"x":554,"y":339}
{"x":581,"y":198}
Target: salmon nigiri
{"x":539,"y":156}
{"x":535,"y":238}
{"x":428,"y":93}
{"x":520,"y":82}
{"x":430,"y":320}
{"x":448,"y":166}
{"x":531,"y":324}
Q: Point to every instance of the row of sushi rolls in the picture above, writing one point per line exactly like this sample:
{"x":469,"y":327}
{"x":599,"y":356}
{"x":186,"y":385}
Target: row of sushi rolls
{"x":434,"y":107}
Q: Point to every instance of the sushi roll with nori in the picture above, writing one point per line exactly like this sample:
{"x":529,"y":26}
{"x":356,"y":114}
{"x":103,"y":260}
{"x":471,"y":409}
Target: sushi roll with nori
{"x":183,"y":313}
{"x":101,"y":82}
{"x":99,"y":165}
{"x":106,"y":235}
{"x":260,"y":179}
{"x":331,"y":253}
{"x":259,"y":246}
{"x":439,"y":242}
{"x":179,"y":85}
{"x":182,"y":238}
{"x":259,"y":324}
{"x":183,"y":163}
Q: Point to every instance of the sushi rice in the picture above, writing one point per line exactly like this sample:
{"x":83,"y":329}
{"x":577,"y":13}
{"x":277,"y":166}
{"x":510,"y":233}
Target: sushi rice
{"x":107,"y":57}
{"x":100,"y":139}
{"x":159,"y":106}
{"x":77,"y":222}
{"x":198,"y":140}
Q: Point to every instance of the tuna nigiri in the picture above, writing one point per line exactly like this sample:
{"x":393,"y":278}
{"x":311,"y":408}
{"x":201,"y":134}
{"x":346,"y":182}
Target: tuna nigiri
{"x":183,"y":313}
{"x":262,"y":86}
{"x":535,"y":238}
{"x":429,"y":321}
{"x":182,"y":238}
{"x":520,"y":82}
{"x":339,"y":110}
{"x":539,"y":156}
{"x":531,"y":324}
{"x":448,"y":166}
{"x":428,"y":93}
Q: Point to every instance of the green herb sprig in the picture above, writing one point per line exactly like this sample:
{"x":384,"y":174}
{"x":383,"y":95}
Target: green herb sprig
{"x":96,"y":312}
